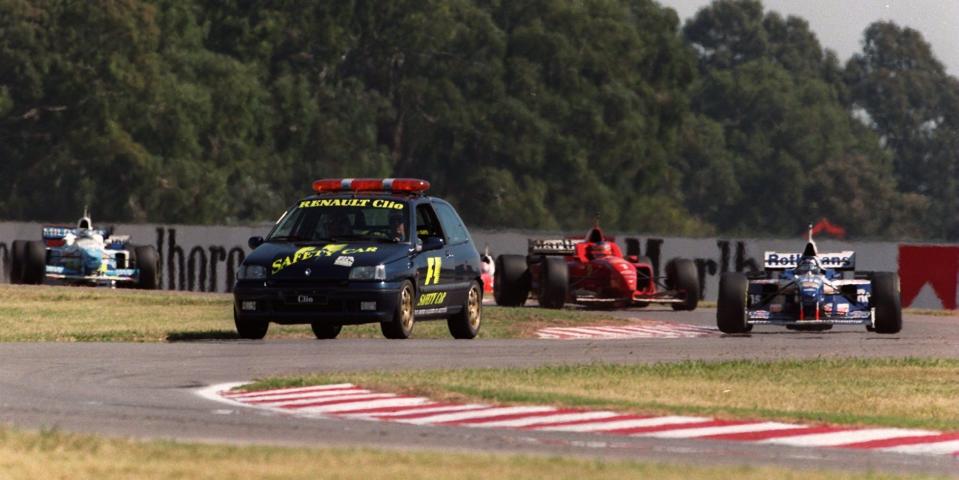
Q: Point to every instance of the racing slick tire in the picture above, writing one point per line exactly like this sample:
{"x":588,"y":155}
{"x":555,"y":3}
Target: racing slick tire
{"x":466,"y":324}
{"x":731,"y":304}
{"x":885,"y":299}
{"x":148,"y":262}
{"x":34,"y":263}
{"x":250,"y":329}
{"x":18,"y":253}
{"x":553,"y":283}
{"x":681,"y":274}
{"x":511,"y":281}
{"x":325,"y":331}
{"x":400,"y":327}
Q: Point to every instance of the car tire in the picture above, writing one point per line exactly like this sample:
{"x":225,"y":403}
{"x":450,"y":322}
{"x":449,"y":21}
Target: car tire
{"x":682,"y":275}
{"x":148,"y":262}
{"x":466,"y":324}
{"x":325,"y":331}
{"x":553,"y":283}
{"x":250,"y":329}
{"x":731,"y":304}
{"x":400,"y":327}
{"x":511,"y":281}
{"x":18,"y":253}
{"x":886,"y":300}
{"x":34,"y":266}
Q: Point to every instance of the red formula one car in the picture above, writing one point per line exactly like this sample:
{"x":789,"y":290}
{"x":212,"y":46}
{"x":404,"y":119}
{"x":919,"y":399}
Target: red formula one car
{"x":592,"y":271}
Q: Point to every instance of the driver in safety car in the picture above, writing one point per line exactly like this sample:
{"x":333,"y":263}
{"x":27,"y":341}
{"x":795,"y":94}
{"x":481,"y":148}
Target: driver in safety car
{"x":338,"y":225}
{"x":397,"y":227}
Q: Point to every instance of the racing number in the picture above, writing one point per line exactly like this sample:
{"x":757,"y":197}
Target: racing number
{"x":433,"y":266}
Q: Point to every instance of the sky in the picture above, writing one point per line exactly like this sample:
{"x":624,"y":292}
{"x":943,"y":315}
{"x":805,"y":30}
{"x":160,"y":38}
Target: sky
{"x":839,"y":23}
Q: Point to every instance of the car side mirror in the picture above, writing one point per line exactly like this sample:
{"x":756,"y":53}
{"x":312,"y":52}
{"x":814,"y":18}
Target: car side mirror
{"x":433,"y":243}
{"x":255,"y":242}
{"x":632,"y":258}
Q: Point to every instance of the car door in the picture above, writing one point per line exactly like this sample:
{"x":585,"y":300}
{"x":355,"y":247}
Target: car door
{"x":435,"y":270}
{"x":461,"y":253}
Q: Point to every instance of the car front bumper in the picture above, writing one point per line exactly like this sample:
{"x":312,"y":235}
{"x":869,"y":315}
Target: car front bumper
{"x":341,"y":303}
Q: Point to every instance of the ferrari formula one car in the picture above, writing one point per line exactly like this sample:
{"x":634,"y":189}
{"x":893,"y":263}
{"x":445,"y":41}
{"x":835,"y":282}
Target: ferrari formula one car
{"x":85,"y":256}
{"x":592,"y":271}
{"x":809,"y":291}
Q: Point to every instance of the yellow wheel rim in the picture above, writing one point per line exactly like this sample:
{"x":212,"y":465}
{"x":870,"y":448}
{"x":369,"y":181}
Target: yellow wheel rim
{"x":474,"y":308}
{"x":406,"y":308}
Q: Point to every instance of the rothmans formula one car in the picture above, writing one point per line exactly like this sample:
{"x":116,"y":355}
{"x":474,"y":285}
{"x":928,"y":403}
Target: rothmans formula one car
{"x":85,"y":256}
{"x":593,"y":272}
{"x":810,"y":292}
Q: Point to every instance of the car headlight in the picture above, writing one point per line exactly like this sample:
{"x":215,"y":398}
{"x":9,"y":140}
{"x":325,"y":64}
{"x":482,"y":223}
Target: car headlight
{"x":377,"y":272}
{"x":251,"y":272}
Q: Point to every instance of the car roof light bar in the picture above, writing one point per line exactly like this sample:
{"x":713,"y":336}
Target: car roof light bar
{"x":404,"y":185}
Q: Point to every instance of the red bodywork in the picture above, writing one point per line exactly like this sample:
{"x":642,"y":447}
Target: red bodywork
{"x":613,"y":279}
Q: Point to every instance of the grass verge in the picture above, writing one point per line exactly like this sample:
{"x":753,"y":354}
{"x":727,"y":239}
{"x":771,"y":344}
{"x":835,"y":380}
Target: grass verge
{"x":54,"y":455}
{"x":917,"y":393}
{"x":80,"y":314}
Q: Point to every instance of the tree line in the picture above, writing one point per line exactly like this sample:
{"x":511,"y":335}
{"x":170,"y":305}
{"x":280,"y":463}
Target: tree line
{"x":531,"y":114}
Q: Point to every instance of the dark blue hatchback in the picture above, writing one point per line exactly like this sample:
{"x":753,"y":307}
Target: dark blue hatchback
{"x":362,"y":251}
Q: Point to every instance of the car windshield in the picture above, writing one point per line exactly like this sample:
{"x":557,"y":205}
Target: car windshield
{"x":340,"y":219}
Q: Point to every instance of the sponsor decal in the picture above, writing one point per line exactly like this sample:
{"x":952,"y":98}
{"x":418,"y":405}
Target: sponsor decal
{"x":344,"y":261}
{"x":433,"y":268}
{"x":827,"y":309}
{"x":842,"y":308}
{"x":933,"y":265}
{"x":776,"y":308}
{"x":306,"y":253}
{"x":352,"y":202}
{"x":859,"y":314}
{"x":563,"y":246}
{"x":826,"y":260}
{"x":432,"y":298}
{"x":759,"y":314}
{"x":354,"y":251}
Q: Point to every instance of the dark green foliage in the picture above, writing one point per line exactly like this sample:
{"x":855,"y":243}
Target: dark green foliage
{"x":533,"y":114}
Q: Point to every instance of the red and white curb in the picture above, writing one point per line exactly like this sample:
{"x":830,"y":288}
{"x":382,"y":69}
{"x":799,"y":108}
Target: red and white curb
{"x":646,"y":329}
{"x":352,"y":402}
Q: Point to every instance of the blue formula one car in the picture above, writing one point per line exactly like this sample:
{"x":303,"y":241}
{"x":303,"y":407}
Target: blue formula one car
{"x":809,"y":292}
{"x":85,"y":256}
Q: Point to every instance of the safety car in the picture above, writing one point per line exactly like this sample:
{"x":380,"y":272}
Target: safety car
{"x":362,"y":250}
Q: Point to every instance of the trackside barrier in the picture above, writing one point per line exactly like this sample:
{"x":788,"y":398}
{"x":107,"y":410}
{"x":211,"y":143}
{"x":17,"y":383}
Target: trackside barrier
{"x":205,"y":258}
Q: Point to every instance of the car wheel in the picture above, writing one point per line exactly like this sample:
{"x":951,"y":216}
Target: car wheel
{"x":250,"y":329}
{"x":400,"y":327}
{"x":466,"y":323}
{"x":553,"y":283}
{"x":34,"y":263}
{"x":731,"y":304}
{"x":885,"y":299}
{"x":325,"y":331}
{"x":511,"y":280}
{"x":18,"y":254}
{"x":681,"y":275}
{"x":148,"y":262}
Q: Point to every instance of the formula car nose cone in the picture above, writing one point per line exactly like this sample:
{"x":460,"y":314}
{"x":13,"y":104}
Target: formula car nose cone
{"x":92,"y":258}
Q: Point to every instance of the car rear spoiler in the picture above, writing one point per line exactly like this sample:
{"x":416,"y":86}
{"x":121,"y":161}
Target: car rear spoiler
{"x":562,"y":246}
{"x":845,"y":260}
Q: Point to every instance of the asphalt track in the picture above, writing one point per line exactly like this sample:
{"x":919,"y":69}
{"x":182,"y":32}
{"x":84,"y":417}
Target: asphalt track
{"x":149,"y":390}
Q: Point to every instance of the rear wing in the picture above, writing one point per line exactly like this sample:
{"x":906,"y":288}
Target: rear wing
{"x":563,"y":246}
{"x":845,"y":260}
